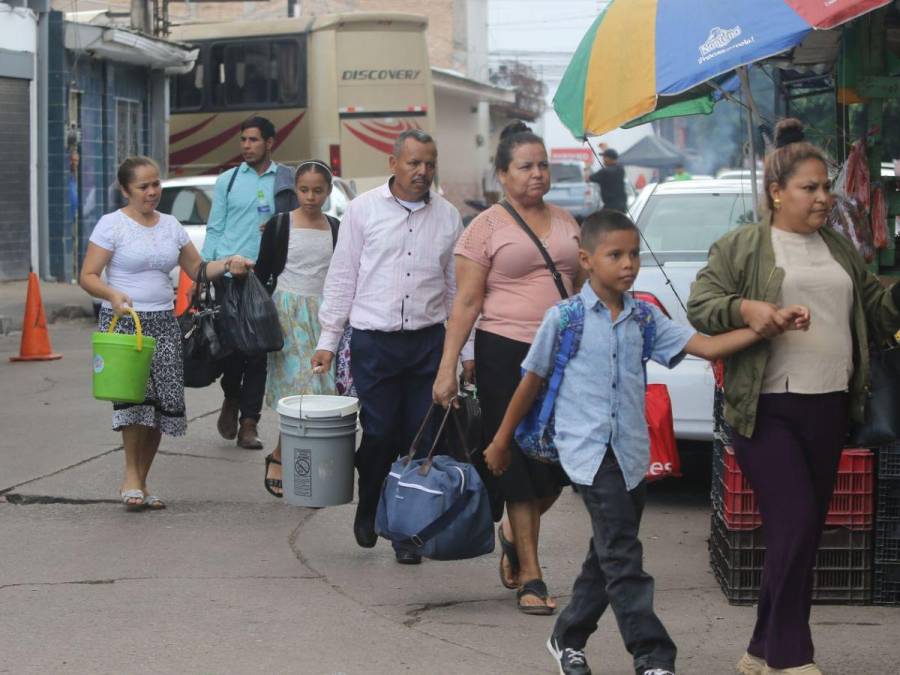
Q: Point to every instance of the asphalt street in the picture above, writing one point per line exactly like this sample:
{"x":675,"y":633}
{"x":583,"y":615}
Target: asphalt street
{"x":229,"y":580}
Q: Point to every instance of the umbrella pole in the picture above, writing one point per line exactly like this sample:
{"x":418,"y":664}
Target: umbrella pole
{"x":748,"y":97}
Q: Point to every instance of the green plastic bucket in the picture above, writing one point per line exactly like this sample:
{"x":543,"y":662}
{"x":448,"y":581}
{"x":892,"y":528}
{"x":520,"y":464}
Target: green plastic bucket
{"x":122,"y":363}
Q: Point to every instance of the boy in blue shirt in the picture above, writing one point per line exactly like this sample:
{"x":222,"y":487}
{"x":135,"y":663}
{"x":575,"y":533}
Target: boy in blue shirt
{"x":602,"y":439}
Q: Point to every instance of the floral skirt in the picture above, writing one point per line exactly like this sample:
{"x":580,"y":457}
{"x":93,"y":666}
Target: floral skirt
{"x":290,"y":372}
{"x":163,"y":406}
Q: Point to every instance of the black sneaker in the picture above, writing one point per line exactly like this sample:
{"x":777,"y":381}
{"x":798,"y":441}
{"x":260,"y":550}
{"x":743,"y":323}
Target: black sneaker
{"x":570,"y":661}
{"x":658,"y":671}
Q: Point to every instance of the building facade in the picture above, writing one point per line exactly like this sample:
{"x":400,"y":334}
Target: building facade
{"x":19,"y":236}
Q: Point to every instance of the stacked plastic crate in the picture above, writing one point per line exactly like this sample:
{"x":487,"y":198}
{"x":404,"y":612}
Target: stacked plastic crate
{"x":887,"y":528}
{"x":843,"y":572}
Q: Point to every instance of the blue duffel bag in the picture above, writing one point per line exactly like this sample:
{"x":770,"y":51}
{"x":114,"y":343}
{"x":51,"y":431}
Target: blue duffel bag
{"x":436,"y":506}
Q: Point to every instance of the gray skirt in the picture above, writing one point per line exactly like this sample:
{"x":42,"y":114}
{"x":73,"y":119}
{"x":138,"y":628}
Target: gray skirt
{"x":163,"y":405}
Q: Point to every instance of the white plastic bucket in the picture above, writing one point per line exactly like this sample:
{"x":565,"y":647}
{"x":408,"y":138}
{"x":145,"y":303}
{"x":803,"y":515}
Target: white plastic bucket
{"x":318,"y":442}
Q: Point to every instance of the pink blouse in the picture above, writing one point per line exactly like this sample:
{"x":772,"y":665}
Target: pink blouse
{"x":520,"y":288}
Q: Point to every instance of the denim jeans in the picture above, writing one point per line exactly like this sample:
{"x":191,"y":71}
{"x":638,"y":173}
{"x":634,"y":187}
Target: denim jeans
{"x":613,"y":574}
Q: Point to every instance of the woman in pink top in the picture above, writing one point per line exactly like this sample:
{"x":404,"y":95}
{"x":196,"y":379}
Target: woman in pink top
{"x":502,"y":276}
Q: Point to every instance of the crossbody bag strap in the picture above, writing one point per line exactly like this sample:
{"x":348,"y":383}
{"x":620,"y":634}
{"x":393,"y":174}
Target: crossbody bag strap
{"x":557,"y":277}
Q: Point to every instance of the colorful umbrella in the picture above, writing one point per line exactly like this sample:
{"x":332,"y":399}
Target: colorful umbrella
{"x":640,"y":55}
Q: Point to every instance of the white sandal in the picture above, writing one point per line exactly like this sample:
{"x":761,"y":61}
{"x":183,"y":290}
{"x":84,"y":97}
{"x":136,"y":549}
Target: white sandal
{"x":154,"y":503}
{"x":128,"y":495}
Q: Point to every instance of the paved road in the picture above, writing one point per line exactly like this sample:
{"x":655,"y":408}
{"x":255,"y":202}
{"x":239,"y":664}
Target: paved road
{"x":228,"y":580}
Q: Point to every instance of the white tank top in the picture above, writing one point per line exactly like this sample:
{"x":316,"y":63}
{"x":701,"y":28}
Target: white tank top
{"x":308,"y":258}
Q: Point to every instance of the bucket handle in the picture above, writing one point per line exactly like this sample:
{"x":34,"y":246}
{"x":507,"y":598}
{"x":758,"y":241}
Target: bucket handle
{"x":306,"y":380}
{"x":137,"y":327}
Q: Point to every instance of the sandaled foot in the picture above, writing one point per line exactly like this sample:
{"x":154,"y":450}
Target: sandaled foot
{"x":509,"y":561}
{"x":533,"y":598}
{"x":751,"y":665}
{"x":154,"y":503}
{"x":273,"y":484}
{"x":132,"y":499}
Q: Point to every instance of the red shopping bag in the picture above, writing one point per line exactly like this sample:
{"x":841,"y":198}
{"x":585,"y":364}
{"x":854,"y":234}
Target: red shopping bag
{"x":664,"y":459}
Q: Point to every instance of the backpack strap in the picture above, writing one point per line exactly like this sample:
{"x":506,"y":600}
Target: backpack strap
{"x":647,"y":325}
{"x":571,"y":327}
{"x":334,"y":223}
{"x":234,"y":173}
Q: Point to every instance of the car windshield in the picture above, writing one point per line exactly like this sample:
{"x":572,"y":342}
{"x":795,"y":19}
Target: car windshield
{"x":566,"y":173}
{"x":683,"y":227}
{"x":190,"y":204}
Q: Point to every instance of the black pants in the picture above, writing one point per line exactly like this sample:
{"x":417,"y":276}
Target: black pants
{"x":244,"y":380}
{"x":613,"y":574}
{"x":394,"y":375}
{"x":791,"y":462}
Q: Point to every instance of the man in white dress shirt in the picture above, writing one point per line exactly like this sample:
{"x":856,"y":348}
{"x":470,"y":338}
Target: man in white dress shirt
{"x":392,"y":277}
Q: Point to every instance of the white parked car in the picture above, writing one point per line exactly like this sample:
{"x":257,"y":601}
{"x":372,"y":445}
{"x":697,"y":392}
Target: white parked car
{"x":679,"y":221}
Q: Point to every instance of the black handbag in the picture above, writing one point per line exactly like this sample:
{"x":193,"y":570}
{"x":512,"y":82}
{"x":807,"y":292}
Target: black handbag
{"x":882,"y":418}
{"x":468,"y":419}
{"x":201,"y":348}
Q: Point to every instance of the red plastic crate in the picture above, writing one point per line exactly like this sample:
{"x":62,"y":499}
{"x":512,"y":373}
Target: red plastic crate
{"x":852,"y":504}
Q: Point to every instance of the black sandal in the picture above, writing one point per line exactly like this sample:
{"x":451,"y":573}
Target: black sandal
{"x":507,"y":549}
{"x":271,"y":483}
{"x":537,"y":588}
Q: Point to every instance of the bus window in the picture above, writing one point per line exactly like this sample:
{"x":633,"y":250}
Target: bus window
{"x":187,"y":89}
{"x":288,"y":73}
{"x":249,"y":74}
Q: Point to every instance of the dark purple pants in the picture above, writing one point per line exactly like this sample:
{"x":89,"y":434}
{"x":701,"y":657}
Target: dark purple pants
{"x":791,"y":462}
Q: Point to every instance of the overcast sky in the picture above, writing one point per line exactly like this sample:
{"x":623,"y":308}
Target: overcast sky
{"x":540,"y":25}
{"x":544,"y":34}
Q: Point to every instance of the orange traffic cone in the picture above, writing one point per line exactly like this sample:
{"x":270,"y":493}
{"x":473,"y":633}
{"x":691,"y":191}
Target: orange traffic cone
{"x":183,"y":294}
{"x":35,"y":344}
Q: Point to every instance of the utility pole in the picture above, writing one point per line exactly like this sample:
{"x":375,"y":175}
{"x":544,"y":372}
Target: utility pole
{"x":141,"y":18}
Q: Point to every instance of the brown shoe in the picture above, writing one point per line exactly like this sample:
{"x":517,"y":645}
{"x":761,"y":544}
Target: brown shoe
{"x":247,"y":437}
{"x":228,"y":419}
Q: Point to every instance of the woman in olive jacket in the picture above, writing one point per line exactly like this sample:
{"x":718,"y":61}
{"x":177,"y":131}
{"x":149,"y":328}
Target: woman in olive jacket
{"x":789,"y":400}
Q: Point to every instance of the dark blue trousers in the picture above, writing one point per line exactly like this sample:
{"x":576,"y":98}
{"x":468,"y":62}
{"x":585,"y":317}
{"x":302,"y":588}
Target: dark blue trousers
{"x":613,"y":574}
{"x":394,"y":375}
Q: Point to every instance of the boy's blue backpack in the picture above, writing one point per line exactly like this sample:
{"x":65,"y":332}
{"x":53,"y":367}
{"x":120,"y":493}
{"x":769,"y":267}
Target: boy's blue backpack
{"x":535,"y":433}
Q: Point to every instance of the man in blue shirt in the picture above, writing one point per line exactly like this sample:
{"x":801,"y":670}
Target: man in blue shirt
{"x":243,"y":200}
{"x":602,"y":439}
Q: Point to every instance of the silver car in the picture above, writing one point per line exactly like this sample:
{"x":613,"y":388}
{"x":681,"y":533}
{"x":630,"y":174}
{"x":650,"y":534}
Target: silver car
{"x":679,"y":221}
{"x":570,"y":190}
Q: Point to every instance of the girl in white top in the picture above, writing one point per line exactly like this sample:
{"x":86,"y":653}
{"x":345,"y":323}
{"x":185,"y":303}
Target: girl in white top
{"x":305,"y":249}
{"x":138,"y":247}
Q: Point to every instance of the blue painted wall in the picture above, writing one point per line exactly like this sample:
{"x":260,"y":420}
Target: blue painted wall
{"x":100,"y":82}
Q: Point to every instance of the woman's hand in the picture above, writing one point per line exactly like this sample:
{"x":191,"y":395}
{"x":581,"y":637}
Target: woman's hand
{"x":764,"y":318}
{"x":497,"y":457}
{"x":797,"y":316}
{"x":445,"y":387}
{"x":238,"y":266}
{"x":120,"y":302}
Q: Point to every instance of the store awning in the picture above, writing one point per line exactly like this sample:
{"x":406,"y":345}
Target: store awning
{"x":126,"y":46}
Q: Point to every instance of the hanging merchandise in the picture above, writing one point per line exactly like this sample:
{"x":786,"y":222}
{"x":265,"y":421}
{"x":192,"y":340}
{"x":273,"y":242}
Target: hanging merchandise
{"x":879,"y":219}
{"x":847,"y":218}
{"x":853,"y":179}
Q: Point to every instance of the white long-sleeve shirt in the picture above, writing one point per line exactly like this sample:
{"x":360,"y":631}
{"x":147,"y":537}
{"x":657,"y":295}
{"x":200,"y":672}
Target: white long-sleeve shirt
{"x":392,"y":269}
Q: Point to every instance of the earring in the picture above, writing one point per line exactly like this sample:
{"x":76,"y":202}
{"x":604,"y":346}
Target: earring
{"x":776,"y":203}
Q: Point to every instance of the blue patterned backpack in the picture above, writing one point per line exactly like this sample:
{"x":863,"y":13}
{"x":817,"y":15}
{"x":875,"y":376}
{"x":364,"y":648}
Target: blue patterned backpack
{"x":535,"y":433}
